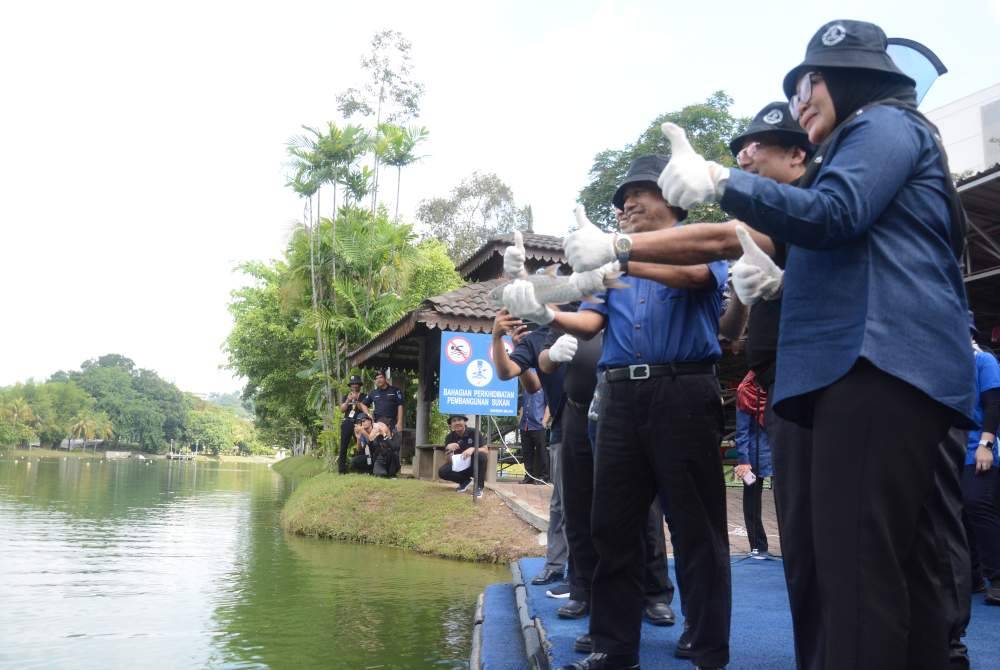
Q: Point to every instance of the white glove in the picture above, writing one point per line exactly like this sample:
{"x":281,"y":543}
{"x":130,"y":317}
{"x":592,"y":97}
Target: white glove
{"x":689,"y":179}
{"x":588,"y":247}
{"x":513,"y":257}
{"x":593,"y":281}
{"x":519,"y":299}
{"x":755,"y":276}
{"x":563,"y":350}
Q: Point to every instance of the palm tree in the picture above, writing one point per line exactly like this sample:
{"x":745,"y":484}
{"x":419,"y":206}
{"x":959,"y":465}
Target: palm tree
{"x":103,"y":428}
{"x":399,"y":150}
{"x":18,"y":413}
{"x":84,"y":426}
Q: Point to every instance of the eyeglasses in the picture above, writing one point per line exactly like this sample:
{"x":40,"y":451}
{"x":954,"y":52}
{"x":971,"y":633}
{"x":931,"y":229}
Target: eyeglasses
{"x":746,"y":154}
{"x":803,"y":92}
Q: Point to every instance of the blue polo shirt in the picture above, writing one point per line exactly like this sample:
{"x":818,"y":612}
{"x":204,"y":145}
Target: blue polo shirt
{"x":651,"y":323}
{"x":987,"y":378}
{"x":532,"y":410}
{"x":870,"y":272}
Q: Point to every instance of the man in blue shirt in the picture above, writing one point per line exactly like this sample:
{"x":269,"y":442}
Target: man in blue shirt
{"x":658,"y":431}
{"x":532,"y":427}
{"x":980,"y":478}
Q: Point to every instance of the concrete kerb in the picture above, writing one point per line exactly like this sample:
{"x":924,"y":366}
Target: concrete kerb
{"x":521,"y":509}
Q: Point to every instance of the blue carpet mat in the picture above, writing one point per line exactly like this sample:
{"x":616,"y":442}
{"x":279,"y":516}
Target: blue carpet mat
{"x":503,"y":645}
{"x":761,"y":635}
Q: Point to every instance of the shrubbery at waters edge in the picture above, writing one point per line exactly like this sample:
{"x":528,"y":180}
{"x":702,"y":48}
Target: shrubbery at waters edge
{"x":420,"y":516}
{"x":300,"y":466}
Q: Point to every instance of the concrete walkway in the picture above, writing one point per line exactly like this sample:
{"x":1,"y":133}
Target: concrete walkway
{"x":531,"y":503}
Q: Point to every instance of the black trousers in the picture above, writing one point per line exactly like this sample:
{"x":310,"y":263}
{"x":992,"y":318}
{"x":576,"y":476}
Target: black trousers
{"x":346,"y":435}
{"x":982,"y":519}
{"x":953,"y":546}
{"x":661,"y":435}
{"x":534,"y":453}
{"x":865,"y":579}
{"x":578,"y":496}
{"x":752,"y":506}
{"x":445,"y":472}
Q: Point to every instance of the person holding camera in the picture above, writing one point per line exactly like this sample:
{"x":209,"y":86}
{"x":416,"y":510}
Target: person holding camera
{"x":352,"y":408}
{"x":362,"y":461}
{"x":384,"y":451}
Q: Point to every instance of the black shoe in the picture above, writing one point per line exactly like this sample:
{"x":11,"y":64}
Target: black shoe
{"x":584,"y":644}
{"x":660,"y":614}
{"x":992,"y":595}
{"x":602,"y":662}
{"x":574,"y":609}
{"x":526,"y":480}
{"x":547,"y":576}
{"x":958,"y":656}
{"x":558,"y":591}
{"x":683,"y":648}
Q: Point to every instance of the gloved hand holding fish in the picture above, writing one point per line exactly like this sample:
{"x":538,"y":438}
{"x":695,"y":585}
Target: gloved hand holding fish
{"x":514,"y":256}
{"x":588,"y":247}
{"x":527,"y":297}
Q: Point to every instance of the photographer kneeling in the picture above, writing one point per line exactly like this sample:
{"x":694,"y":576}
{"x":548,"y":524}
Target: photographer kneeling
{"x":384,"y":451}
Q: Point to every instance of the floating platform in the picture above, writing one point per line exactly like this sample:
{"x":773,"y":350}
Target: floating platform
{"x":517,"y":627}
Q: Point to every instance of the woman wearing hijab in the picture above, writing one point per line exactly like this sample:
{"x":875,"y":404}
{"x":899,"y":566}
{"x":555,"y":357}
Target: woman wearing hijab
{"x":873,"y":352}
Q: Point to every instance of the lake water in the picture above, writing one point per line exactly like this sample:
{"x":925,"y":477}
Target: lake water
{"x":163,"y":564}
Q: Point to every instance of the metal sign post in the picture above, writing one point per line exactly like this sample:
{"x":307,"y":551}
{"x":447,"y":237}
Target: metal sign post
{"x":470,"y":385}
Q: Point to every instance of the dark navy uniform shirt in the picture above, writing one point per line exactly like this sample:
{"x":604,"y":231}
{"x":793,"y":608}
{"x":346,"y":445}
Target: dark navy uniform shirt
{"x":385,"y":402}
{"x":466,"y":441}
{"x":652,"y":323}
{"x":526,"y":354}
{"x":870,"y":271}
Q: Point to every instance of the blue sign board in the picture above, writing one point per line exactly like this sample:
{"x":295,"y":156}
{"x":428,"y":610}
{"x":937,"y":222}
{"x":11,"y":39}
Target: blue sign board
{"x":469,"y":381}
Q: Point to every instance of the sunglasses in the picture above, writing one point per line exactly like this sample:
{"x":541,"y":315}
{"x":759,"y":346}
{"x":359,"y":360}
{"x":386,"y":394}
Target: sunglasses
{"x":803,"y":92}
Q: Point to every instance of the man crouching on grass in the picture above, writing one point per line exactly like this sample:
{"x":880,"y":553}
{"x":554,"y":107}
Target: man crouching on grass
{"x":461,"y":442}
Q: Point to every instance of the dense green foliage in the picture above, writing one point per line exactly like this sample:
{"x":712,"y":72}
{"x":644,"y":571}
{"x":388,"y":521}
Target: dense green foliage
{"x":709,"y":126}
{"x":371,"y":271}
{"x":110,"y":399}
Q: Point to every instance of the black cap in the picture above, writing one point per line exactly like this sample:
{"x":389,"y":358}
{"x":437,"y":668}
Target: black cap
{"x":843,"y":43}
{"x":456,"y":416}
{"x":361,"y":416}
{"x":774,"y":119}
{"x":354,"y":380}
{"x":643,"y":168}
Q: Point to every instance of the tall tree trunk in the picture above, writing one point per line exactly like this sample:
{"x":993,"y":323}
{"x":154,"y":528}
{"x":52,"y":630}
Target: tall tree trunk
{"x":399,"y":177}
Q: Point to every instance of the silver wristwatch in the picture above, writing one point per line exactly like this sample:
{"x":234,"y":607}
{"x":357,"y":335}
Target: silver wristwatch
{"x":623,"y":249}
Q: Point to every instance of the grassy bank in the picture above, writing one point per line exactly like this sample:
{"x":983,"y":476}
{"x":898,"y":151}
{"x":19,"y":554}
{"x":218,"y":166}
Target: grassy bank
{"x":416,"y":515}
{"x":300,"y":466}
{"x":38,"y":452}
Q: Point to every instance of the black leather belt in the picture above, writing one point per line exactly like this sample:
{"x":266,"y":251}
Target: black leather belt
{"x":636,"y":372}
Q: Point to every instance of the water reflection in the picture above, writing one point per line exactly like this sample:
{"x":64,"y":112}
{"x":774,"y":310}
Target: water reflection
{"x":182,"y":565}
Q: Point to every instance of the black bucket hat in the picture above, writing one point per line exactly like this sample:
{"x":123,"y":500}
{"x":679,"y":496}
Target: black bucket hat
{"x":643,"y":168}
{"x":457,"y":416}
{"x":843,"y":43}
{"x":354,"y":380}
{"x":774,"y":119}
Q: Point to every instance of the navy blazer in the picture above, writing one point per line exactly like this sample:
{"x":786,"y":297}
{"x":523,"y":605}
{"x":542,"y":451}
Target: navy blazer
{"x":870,"y":271}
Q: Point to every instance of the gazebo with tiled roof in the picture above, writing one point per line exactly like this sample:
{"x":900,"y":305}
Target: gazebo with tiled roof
{"x":414,"y":341}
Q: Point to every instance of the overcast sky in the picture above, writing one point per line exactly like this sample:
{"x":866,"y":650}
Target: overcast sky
{"x":142,"y":143}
